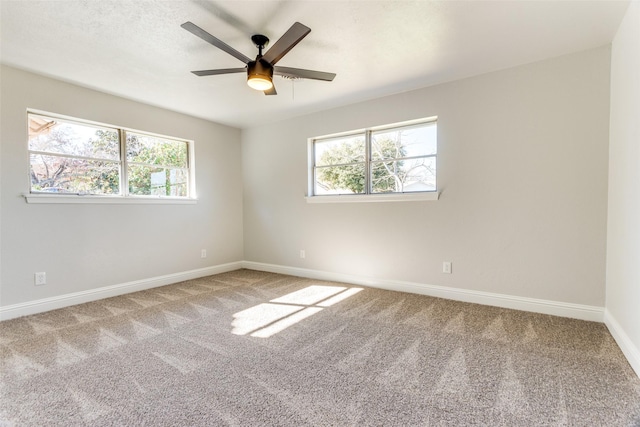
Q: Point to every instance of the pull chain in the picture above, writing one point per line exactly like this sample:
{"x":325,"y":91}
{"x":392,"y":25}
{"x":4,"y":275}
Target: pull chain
{"x":293,"y":86}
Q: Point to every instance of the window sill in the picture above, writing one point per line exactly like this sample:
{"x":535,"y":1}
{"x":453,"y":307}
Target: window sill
{"x":75,"y":199}
{"x":374,"y":198}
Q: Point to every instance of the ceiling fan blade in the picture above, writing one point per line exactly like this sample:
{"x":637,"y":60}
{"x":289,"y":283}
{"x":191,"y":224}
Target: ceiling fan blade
{"x":285,"y":43}
{"x":271,"y":91}
{"x":195,"y":30}
{"x":220,"y":71}
{"x":303,"y":74}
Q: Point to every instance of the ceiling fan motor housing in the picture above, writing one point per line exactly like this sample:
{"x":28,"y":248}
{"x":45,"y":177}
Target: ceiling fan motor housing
{"x":259,"y":69}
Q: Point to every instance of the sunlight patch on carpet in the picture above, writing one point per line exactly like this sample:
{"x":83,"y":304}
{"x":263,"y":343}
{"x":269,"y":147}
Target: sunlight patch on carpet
{"x":267,"y":319}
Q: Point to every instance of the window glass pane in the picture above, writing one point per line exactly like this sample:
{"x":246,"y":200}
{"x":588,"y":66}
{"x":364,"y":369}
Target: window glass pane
{"x":410,"y":141}
{"x":339,"y":151}
{"x":54,"y":174}
{"x":60,"y":137}
{"x":404,"y":175}
{"x":71,"y":156}
{"x":152,"y":150}
{"x":154,"y":181}
{"x":340,"y":180}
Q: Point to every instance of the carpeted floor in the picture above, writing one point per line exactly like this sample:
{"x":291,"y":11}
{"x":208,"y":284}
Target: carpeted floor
{"x":249,"y":348}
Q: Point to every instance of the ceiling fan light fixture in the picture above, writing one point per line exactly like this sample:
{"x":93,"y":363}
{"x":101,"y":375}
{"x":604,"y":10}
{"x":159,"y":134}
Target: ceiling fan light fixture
{"x":259,"y":75}
{"x":260,"y":83}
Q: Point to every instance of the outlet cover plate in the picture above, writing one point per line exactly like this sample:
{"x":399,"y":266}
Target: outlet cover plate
{"x":40,"y":278}
{"x":446,"y":267}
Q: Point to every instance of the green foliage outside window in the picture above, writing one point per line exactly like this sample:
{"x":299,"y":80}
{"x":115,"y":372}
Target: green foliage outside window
{"x":156,"y":166}
{"x":385,"y":175}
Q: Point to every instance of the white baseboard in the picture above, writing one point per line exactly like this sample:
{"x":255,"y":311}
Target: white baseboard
{"x":576,"y":311}
{"x":631,"y":352}
{"x":53,"y":303}
{"x":555,"y":308}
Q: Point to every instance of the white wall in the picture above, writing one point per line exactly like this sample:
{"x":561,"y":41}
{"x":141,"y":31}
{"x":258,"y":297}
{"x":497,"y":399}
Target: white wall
{"x":88,"y":246}
{"x":522,"y":168}
{"x":623,"y":233}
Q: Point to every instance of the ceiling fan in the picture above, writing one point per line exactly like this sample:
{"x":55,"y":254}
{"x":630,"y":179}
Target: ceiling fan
{"x":261,"y":70}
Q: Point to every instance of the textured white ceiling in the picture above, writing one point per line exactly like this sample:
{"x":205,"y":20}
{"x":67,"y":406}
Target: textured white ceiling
{"x":137,"y":49}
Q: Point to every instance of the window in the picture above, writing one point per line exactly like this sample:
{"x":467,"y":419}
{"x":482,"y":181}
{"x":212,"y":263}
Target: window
{"x":75,"y":157}
{"x":393,"y":159}
{"x":156,"y":166}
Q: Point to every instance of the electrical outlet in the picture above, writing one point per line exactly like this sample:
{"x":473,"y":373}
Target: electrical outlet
{"x":303,"y":255}
{"x":203,"y":253}
{"x":40,"y":278}
{"x":446,"y":267}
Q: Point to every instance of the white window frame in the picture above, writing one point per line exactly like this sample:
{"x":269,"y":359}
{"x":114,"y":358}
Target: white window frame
{"x":368,"y":196}
{"x":123,"y":197}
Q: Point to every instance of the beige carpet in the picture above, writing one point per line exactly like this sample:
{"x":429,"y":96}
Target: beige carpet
{"x":257,"y":349}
